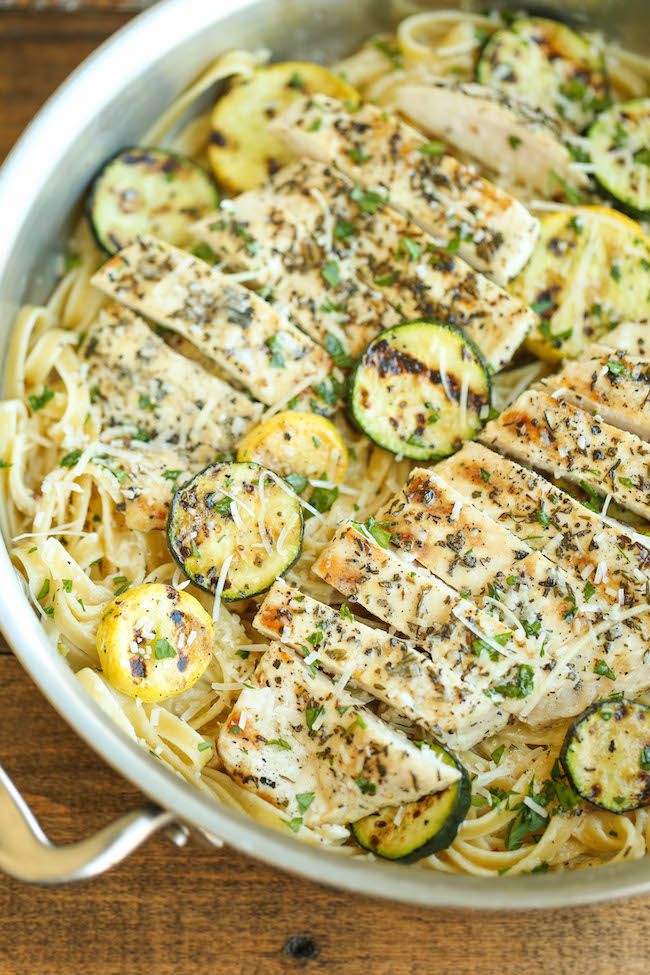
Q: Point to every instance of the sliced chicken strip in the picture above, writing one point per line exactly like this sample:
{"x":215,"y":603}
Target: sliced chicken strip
{"x":391,"y":669}
{"x":611,"y":561}
{"x":490,"y":229}
{"x":633,"y":338}
{"x":612,"y":384}
{"x":291,"y":742}
{"x":502,"y":133}
{"x":465,"y":548}
{"x":478,"y":647}
{"x":337,"y":268}
{"x":145,"y":391}
{"x":549,"y":433}
{"x":241,"y":333}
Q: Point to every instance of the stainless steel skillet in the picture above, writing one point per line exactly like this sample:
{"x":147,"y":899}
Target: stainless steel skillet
{"x":107,"y":103}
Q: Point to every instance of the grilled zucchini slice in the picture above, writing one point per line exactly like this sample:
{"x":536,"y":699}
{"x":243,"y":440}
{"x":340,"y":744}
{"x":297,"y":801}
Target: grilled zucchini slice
{"x":589,"y":271}
{"x":302,"y":444}
{"x":420,"y":389}
{"x":154,"y":642}
{"x":548,"y":65}
{"x":619,"y":146}
{"x":234,"y":528}
{"x":606,"y":754}
{"x":242,"y":152}
{"x":148,"y":191}
{"x":418,"y":829}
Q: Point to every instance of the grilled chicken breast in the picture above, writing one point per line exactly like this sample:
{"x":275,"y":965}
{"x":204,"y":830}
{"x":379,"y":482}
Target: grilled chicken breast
{"x":499,"y":661}
{"x":391,"y":669}
{"x":614,"y":385}
{"x":632,"y":338}
{"x":502,"y":133}
{"x":489,"y":229}
{"x":246,"y":339}
{"x":549,"y":433}
{"x":611,"y":561}
{"x":297,"y":743}
{"x":146,"y":392}
{"x":339,"y":268}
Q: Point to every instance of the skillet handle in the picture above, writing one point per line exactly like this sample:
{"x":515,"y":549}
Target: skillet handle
{"x":28,"y":855}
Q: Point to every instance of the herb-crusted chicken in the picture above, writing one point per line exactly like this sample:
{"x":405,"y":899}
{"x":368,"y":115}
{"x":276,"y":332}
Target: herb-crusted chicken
{"x":232,"y":326}
{"x":491,"y":230}
{"x":317,"y":756}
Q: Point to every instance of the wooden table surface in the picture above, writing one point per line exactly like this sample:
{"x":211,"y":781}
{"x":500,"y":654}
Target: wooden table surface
{"x":171,"y":911}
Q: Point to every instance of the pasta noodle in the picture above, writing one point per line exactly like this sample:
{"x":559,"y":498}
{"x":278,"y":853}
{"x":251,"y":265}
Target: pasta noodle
{"x":70,"y":543}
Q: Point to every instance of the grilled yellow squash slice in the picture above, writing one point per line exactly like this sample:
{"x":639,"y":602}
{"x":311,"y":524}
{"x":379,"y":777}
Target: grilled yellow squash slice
{"x":154,"y":642}
{"x":243,"y":152}
{"x":589,"y":271}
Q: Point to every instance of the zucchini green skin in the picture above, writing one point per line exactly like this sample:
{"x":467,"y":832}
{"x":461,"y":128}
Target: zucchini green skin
{"x":200,"y":521}
{"x":604,"y":754}
{"x":145,"y":190}
{"x":398,"y":396}
{"x":549,"y":65}
{"x":427,"y":826}
{"x":623,"y":128}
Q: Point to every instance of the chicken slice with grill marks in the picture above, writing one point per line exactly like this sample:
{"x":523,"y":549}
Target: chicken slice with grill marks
{"x":391,"y":669}
{"x":489,"y":654}
{"x":146,"y":392}
{"x":298,"y":744}
{"x":388,"y":159}
{"x":249,"y":342}
{"x":611,"y":560}
{"x":350,"y":272}
{"x":548,"y":433}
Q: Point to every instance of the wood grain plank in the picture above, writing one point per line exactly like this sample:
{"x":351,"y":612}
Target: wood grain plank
{"x":170,"y":911}
{"x":38,"y":50}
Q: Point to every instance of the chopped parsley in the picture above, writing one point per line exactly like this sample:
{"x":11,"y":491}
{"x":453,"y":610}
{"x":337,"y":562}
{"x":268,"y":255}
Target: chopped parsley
{"x":331,"y":273}
{"x":616,"y":368}
{"x":603,"y":669}
{"x":522,"y":686}
{"x":432,"y":148}
{"x":205,"y":253}
{"x":297,"y":481}
{"x":70,"y":459}
{"x":514,"y":141}
{"x":204,"y":745}
{"x":644,"y":760}
{"x":322,"y":499}
{"x":485,"y":475}
{"x":44,"y":590}
{"x":311,"y":715}
{"x":368,"y":788}
{"x":358,"y":154}
{"x":163,"y":649}
{"x":296,"y":81}
{"x":37,"y":402}
{"x":367,"y":200}
{"x":171,"y":475}
{"x":337,"y":353}
{"x":145,"y":402}
{"x":378,"y":530}
{"x":345,"y":613}
{"x":343,"y":230}
{"x":279,"y":743}
{"x":497,"y":754}
{"x":294,"y":824}
{"x":410,"y":247}
{"x":67,"y":585}
{"x":304,"y":800}
{"x":274,"y":345}
{"x":589,"y":590}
